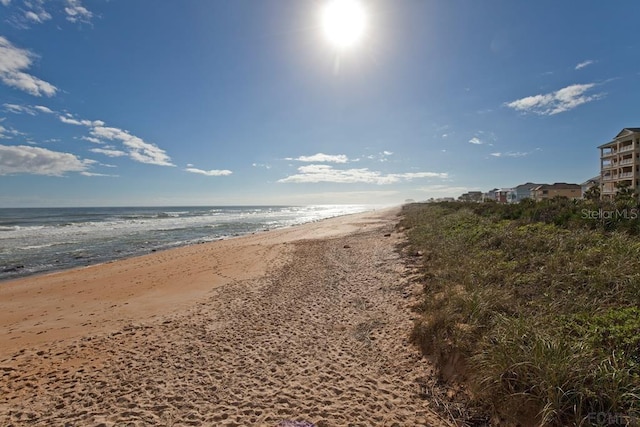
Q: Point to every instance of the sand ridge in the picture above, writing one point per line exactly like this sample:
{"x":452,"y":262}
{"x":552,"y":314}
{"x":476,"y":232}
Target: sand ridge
{"x":315,"y":328}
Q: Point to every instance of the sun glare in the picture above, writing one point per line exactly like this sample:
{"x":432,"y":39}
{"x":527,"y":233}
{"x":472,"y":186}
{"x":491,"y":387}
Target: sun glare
{"x":344,"y":22}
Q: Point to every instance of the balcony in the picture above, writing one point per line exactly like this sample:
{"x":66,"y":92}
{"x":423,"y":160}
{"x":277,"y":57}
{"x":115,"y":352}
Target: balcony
{"x":608,"y":153}
{"x":626,"y":148}
{"x":626,"y":162}
{"x":627,"y":175}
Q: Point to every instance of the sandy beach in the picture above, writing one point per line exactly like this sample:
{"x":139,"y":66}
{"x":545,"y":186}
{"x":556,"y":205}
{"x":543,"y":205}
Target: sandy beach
{"x":303,"y":323}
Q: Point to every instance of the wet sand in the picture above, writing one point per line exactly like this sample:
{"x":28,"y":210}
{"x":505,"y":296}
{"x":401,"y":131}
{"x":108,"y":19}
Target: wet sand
{"x":303,"y":323}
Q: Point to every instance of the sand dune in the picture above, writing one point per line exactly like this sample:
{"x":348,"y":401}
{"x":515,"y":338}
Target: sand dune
{"x":305,"y":323}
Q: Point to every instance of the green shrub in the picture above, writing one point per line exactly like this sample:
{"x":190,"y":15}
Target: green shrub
{"x":538,"y":310}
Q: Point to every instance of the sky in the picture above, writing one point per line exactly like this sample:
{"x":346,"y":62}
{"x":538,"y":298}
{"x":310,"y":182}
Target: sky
{"x":247,"y":102}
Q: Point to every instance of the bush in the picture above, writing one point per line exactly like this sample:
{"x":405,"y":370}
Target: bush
{"x":531,"y":306}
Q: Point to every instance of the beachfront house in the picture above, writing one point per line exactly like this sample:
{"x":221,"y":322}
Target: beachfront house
{"x":619,"y":162}
{"x":506,"y":195}
{"x":592,"y":182}
{"x":523,"y":191}
{"x":559,"y":189}
{"x":490,"y":195}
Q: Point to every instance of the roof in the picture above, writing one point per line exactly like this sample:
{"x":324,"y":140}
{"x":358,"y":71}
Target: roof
{"x":528,"y":185}
{"x":607,"y":144}
{"x":558,"y":186}
{"x":623,"y":132}
{"x":627,"y":131}
{"x":594,"y":180}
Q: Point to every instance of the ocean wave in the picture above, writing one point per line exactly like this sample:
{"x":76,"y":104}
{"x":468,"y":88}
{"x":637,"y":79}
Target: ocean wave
{"x":45,"y":245}
{"x":48,"y":238}
{"x":175,"y":214}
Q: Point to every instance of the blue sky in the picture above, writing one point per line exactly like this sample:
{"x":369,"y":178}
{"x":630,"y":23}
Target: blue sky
{"x":218,"y":102}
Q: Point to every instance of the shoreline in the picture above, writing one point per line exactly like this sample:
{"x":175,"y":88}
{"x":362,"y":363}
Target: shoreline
{"x":304,"y":323}
{"x":82,"y":291}
{"x":115,"y":257}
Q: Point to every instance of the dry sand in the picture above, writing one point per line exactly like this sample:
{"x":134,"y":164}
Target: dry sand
{"x":304,"y":323}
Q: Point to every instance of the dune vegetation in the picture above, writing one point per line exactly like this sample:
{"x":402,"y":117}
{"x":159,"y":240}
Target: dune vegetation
{"x":533,"y":306}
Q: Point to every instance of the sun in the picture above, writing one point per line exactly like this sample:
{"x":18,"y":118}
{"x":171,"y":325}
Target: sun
{"x":344,"y":22}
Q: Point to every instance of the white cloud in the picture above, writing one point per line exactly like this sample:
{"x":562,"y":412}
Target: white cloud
{"x":212,"y":172}
{"x":92,"y":139}
{"x":138,"y":149}
{"x":110,"y":152}
{"x":18,"y":109}
{"x":556,"y":102}
{"x":584,"y":64}
{"x":13,"y":63}
{"x":97,"y":174}
{"x":38,"y":15}
{"x":381,"y":157}
{"x":326,"y":173}
{"x":31,"y":110}
{"x":7,"y":132}
{"x":321,"y":157}
{"x":483,"y":139}
{"x":511,"y":154}
{"x":257,"y":165}
{"x":408,"y":176}
{"x":68,"y":119}
{"x":22,"y":159}
{"x":43,"y":109}
{"x":31,"y":12}
{"x":76,"y":12}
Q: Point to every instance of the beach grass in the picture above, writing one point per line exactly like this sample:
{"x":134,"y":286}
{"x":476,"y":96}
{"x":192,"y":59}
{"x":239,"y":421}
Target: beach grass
{"x":533,"y":307}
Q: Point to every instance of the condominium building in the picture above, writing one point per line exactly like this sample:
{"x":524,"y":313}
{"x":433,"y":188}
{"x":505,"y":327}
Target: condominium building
{"x":620,"y":162}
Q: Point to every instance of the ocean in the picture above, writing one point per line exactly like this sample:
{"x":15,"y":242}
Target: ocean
{"x":40,"y":240}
